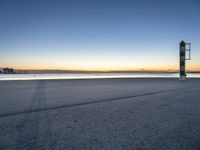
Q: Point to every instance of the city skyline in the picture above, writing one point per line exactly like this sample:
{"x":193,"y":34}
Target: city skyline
{"x":98,"y":35}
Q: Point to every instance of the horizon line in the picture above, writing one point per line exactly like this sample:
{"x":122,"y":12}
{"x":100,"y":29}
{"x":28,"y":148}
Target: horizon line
{"x":105,"y":71}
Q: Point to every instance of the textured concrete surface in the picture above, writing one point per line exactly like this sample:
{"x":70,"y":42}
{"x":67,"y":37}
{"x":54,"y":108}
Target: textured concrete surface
{"x":126,"y":114}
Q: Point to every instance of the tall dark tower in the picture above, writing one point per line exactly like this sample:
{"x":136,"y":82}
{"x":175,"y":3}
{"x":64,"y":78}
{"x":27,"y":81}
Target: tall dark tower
{"x":182,"y":61}
{"x":183,"y":58}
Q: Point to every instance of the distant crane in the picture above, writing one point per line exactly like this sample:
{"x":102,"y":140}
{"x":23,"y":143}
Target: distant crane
{"x":184,"y":47}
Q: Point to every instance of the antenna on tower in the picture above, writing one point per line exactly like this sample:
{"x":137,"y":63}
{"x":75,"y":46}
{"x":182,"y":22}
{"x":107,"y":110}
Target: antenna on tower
{"x":188,"y":49}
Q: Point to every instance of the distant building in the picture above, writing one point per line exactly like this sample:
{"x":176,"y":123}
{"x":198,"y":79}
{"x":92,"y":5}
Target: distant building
{"x":8,"y":71}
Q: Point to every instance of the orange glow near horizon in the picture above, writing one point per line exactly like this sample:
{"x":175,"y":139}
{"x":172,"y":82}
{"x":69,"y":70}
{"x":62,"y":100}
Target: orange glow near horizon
{"x":102,"y":64}
{"x":102,"y":68}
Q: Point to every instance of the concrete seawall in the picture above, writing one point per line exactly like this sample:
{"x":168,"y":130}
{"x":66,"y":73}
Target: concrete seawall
{"x":100,"y":114}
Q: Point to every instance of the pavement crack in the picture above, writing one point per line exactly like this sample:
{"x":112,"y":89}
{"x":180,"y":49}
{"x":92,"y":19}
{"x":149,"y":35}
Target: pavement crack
{"x":91,"y":102}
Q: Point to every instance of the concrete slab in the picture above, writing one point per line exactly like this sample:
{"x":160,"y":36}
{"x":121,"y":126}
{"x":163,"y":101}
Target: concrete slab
{"x":100,"y":114}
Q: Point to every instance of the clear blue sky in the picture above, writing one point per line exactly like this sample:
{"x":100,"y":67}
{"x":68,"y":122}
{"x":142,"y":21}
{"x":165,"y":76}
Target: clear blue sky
{"x":98,"y":34}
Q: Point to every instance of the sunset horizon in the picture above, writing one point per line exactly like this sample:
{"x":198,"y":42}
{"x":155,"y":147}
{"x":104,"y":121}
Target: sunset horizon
{"x":98,"y":35}
{"x":106,"y":69}
{"x":99,"y":74}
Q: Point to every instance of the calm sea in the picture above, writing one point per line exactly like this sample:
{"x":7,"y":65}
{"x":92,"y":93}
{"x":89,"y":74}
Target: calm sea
{"x":92,"y":75}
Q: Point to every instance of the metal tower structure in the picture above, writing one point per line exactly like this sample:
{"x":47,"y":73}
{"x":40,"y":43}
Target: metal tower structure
{"x":184,"y":47}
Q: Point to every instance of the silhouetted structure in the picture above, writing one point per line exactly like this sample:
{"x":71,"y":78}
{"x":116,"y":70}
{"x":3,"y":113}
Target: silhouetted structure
{"x":183,"y":50}
{"x":8,"y":71}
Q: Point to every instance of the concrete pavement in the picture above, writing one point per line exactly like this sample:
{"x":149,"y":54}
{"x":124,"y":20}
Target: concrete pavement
{"x":100,"y":114}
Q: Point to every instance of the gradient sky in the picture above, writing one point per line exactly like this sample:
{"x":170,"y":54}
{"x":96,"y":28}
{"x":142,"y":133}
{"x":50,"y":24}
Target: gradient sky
{"x":98,"y":34}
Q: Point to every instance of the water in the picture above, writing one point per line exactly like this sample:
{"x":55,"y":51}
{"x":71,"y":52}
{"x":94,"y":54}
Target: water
{"x":92,"y":75}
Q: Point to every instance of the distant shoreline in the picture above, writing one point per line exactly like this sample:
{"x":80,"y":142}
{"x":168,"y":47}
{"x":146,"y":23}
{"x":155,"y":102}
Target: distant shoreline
{"x":17,"y":71}
{"x":55,"y":71}
{"x":83,"y":72}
